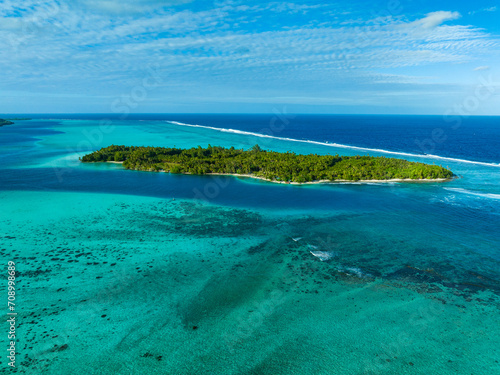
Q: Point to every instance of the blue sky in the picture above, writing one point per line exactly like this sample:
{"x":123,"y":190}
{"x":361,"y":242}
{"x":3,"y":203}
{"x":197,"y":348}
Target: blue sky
{"x":181,"y":56}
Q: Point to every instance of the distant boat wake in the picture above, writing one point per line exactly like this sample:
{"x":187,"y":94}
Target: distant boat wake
{"x":365,"y":149}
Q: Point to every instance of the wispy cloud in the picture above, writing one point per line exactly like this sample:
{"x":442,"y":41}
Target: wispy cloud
{"x":434,"y":19}
{"x":489,"y":9}
{"x":127,"y":6}
{"x":283,"y":49}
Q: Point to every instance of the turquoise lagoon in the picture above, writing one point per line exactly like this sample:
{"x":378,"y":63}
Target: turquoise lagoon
{"x":125,"y":272}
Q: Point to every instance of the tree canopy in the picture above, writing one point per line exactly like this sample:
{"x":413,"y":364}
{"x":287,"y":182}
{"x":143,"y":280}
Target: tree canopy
{"x":271,"y":165}
{"x":5,"y":122}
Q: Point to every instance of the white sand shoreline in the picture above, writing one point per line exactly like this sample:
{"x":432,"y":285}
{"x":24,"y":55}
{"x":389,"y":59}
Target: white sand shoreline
{"x":312,"y":182}
{"x":330,"y":181}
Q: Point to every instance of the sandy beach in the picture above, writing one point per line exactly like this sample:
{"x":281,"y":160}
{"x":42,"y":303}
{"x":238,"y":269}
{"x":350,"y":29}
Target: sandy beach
{"x":330,"y":181}
{"x":313,"y":182}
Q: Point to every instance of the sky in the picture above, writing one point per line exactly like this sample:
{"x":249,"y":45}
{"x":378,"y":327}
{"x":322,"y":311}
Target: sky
{"x":230,"y":56}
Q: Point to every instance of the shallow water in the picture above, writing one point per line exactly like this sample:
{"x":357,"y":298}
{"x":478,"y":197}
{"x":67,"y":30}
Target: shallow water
{"x":130,"y":272}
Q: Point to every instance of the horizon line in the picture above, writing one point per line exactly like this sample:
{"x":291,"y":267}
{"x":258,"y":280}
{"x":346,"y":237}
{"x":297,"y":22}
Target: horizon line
{"x":236,"y":113}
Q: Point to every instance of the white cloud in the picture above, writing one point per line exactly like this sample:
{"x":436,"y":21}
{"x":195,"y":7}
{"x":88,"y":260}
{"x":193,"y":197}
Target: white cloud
{"x":73,"y":51}
{"x":129,"y":6}
{"x":479,"y":68}
{"x":292,"y":7}
{"x":94,"y":43}
{"x":434,"y":19}
{"x":490,"y":9}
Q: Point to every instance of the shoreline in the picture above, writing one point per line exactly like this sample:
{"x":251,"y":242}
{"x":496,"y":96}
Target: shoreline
{"x":301,"y":183}
{"x":330,"y":181}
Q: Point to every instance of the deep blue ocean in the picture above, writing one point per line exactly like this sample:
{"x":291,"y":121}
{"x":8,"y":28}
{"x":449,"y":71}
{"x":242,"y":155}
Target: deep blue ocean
{"x":474,"y":138}
{"x":225,"y":275}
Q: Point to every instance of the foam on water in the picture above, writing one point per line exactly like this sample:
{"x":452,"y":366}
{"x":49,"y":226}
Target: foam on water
{"x":323,"y":255}
{"x":265,"y":278}
{"x":356,"y":271}
{"x":476,"y":193}
{"x":144,"y":272}
{"x":364,"y":149}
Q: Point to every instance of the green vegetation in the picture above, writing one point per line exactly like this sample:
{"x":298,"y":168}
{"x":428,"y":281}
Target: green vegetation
{"x":274,"y":166}
{"x":5,"y":122}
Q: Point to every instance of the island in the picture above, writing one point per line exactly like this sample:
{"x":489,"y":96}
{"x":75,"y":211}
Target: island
{"x":282,"y":167}
{"x":5,"y":122}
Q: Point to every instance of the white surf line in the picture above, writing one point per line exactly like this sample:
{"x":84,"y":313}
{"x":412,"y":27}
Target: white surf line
{"x":338,"y":145}
{"x":469,"y":192}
